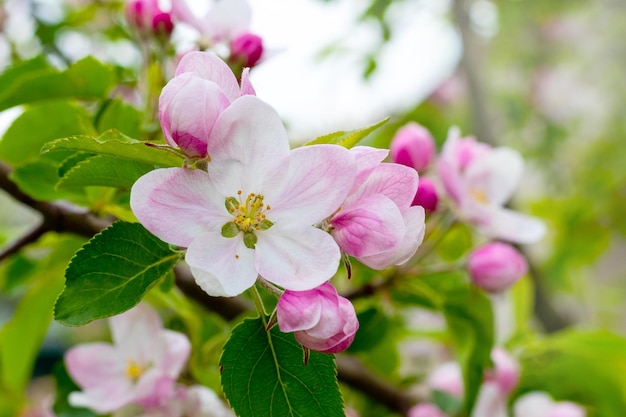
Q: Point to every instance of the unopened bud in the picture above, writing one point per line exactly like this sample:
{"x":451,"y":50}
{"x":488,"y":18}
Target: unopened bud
{"x":246,"y":49}
{"x":496,"y":266}
{"x":505,"y":372}
{"x":413,"y":146}
{"x":426,"y":195}
{"x":147,"y":17}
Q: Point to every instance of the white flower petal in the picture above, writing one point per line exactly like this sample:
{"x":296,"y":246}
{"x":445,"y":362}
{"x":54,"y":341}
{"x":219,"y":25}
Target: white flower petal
{"x":496,"y":174}
{"x":222,"y":267}
{"x":297,"y":259}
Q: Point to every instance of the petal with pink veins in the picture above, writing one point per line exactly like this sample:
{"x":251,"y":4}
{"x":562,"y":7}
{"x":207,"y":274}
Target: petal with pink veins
{"x":496,"y":175}
{"x":210,"y":67}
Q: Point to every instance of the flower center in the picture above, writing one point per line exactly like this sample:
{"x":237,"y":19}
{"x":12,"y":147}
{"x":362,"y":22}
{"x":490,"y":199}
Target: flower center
{"x":479,"y":195}
{"x":249,"y":217}
{"x":134,"y":370}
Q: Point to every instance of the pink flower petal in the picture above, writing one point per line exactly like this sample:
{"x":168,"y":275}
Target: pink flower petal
{"x":188,"y":108}
{"x":509,"y":225}
{"x":496,"y":174}
{"x":397,"y":182}
{"x":222,"y":266}
{"x":210,"y":67}
{"x":177,"y":204}
{"x":246,"y":85}
{"x":298,"y":310}
{"x":315,"y":183}
{"x":90,"y":364}
{"x":251,"y":133}
{"x":372,"y":225}
{"x":296,"y":259}
{"x":133,"y":332}
{"x":415,"y":229}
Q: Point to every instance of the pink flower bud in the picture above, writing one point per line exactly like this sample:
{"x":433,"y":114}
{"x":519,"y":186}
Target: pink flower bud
{"x":448,"y":379}
{"x":425,"y":410}
{"x":506,"y":371}
{"x":496,"y":266}
{"x":246,"y":49}
{"x":148,"y":17}
{"x":413,"y":146}
{"x":321,"y":319}
{"x":426,"y":195}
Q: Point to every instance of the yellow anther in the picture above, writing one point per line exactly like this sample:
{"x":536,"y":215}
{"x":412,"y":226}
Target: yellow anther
{"x":134,"y":370}
{"x":479,"y":195}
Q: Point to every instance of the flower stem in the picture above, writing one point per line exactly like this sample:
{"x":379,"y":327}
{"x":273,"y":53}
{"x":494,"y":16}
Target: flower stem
{"x":258,"y":302}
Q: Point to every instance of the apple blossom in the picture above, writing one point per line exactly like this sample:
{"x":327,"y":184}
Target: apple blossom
{"x":448,"y":379}
{"x":320,"y":318}
{"x":140,"y":367}
{"x":253,"y":211}
{"x":540,"y":404}
{"x":190,"y":103}
{"x":426,"y":195}
{"x":148,"y":17}
{"x":192,"y":401}
{"x":505,"y":372}
{"x":413,"y":146}
{"x":496,"y":266}
{"x":480,"y":180}
{"x":425,"y":410}
{"x":376,"y":223}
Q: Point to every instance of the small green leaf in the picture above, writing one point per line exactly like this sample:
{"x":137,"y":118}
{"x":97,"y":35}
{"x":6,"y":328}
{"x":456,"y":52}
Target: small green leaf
{"x":263,"y":374}
{"x":114,"y":143}
{"x":104,"y":170}
{"x":347,"y":139}
{"x":40,"y":124}
{"x":36,"y":80}
{"x":112,"y":272}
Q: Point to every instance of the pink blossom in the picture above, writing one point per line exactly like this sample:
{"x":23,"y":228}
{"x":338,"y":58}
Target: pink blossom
{"x":496,"y":266}
{"x":448,"y":379}
{"x":148,"y":17}
{"x":253,"y":211}
{"x":246,"y":49}
{"x":190,"y":103}
{"x":193,"y":401}
{"x":413,"y":146}
{"x":540,"y":404}
{"x":140,"y":367}
{"x":376,"y":223}
{"x":505,"y":372}
{"x":425,"y":410}
{"x":426,"y":195}
{"x":223,"y":20}
{"x":480,"y":180}
{"x":321,"y":319}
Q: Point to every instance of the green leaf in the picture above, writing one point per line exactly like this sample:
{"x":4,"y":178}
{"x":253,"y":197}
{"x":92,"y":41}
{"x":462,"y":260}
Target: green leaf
{"x":349,"y":138}
{"x":469,"y":318}
{"x":36,"y":80}
{"x":373,"y":327}
{"x":120,"y":116}
{"x":114,"y":143}
{"x":584,"y":367}
{"x":112,"y":272}
{"x":40,"y":124}
{"x":263,"y":374}
{"x":104,"y":170}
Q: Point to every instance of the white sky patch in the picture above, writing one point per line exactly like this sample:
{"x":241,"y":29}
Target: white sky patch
{"x":316,"y":96}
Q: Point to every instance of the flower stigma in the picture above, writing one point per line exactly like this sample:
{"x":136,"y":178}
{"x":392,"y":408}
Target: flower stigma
{"x":249,"y":217}
{"x":134,"y":370}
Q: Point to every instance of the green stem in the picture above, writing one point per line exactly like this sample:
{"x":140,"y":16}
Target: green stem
{"x":258,"y":302}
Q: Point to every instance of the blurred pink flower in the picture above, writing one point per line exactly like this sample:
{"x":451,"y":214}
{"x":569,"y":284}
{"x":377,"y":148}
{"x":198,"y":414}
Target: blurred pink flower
{"x":413,"y":146}
{"x":376,"y":223}
{"x":540,"y":404}
{"x":505,"y":372}
{"x":193,"y":401}
{"x":190,"y":103}
{"x":320,"y":318}
{"x":480,"y":180}
{"x":448,"y":379}
{"x":253,"y":211}
{"x":140,"y":367}
{"x":496,"y":266}
{"x":148,"y":17}
{"x":425,"y":410}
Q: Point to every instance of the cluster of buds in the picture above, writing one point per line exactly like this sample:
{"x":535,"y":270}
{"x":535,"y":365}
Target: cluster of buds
{"x":148,"y":18}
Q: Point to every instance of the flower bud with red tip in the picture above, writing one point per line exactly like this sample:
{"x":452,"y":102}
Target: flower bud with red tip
{"x":496,"y":266}
{"x":413,"y":146}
